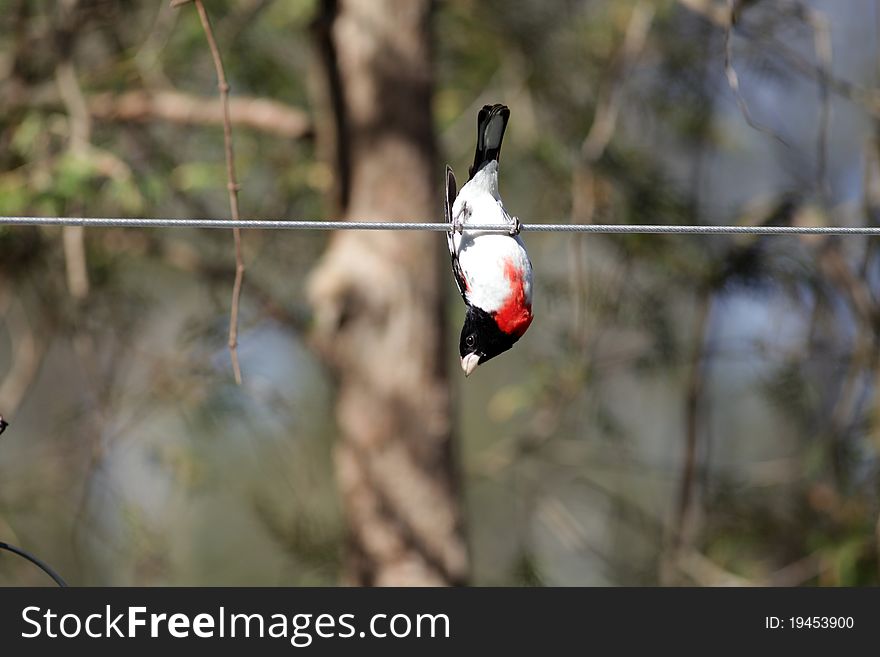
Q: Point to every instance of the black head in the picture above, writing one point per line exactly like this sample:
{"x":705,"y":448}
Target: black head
{"x":481,"y":339}
{"x":3,"y":424}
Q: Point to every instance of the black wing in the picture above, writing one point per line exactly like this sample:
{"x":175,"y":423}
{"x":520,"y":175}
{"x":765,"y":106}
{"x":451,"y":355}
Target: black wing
{"x":448,"y":202}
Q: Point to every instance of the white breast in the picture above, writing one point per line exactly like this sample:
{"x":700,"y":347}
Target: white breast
{"x":486,"y":258}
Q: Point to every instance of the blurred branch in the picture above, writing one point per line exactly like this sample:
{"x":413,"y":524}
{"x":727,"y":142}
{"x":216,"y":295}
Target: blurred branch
{"x":232,"y":184}
{"x":147,"y":59}
{"x":568,"y":530}
{"x":80,"y":126}
{"x":75,"y":104}
{"x":680,"y":556}
{"x":733,"y":78}
{"x":798,"y":572}
{"x":684,"y":522}
{"x":261,"y":114}
{"x":822,"y":47}
{"x":145,"y":106}
{"x":713,"y":11}
{"x":27,"y":354}
{"x":607,"y":110}
{"x":593,"y":147}
{"x":608,"y":105}
{"x":571,"y":533}
{"x":73,"y":239}
{"x":720,"y":16}
{"x":835,"y":266}
{"x":818,"y":23}
{"x":705,"y":572}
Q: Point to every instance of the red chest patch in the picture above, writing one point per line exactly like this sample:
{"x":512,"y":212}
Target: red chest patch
{"x":515,"y":315}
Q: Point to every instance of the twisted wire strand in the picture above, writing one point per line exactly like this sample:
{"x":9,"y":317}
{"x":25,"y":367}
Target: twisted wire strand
{"x":281,"y":224}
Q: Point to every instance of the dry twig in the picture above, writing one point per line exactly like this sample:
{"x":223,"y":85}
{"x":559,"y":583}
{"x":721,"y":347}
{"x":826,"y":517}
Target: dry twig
{"x":822,"y":48}
{"x":232,"y":184}
{"x":733,"y":78}
{"x":720,"y":16}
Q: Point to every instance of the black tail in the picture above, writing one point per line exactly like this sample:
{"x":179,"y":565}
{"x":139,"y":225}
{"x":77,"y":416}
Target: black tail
{"x":491,"y":123}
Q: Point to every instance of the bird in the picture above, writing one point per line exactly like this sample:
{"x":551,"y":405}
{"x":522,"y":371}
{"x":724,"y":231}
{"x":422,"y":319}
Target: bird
{"x":491,"y":269}
{"x":3,"y":424}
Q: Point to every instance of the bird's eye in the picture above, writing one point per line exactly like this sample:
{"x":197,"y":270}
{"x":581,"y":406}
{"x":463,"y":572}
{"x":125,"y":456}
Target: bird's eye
{"x":470,"y":340}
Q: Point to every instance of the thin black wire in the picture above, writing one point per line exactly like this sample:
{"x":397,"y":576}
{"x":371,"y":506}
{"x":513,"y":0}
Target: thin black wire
{"x":39,"y":563}
{"x":276,"y":224}
{"x":42,"y":565}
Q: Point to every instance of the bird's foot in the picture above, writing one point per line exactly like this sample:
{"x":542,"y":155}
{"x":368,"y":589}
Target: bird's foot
{"x":457,"y":222}
{"x":516,"y":227}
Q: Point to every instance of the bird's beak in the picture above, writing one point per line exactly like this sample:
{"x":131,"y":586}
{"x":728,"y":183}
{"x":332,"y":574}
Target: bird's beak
{"x":469,"y":363}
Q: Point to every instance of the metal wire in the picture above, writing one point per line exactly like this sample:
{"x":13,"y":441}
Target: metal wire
{"x":276,"y":224}
{"x":39,"y":563}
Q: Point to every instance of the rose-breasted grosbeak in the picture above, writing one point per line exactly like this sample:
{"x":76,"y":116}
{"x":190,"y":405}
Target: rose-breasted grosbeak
{"x":492,"y":270}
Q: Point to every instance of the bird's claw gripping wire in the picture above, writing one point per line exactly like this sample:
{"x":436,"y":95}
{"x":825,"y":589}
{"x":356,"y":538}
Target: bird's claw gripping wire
{"x":457,"y":223}
{"x":516,"y":227}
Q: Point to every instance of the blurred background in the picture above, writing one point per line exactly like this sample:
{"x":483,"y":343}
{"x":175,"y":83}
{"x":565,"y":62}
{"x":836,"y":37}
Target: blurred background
{"x":685,"y":410}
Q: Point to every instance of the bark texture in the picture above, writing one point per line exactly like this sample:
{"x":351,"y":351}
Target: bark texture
{"x":378,"y":298}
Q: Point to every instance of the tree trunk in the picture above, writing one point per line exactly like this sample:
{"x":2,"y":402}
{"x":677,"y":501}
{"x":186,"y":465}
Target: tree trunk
{"x":378,"y":299}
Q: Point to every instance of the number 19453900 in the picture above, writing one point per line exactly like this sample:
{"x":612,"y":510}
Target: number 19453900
{"x":809,"y":622}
